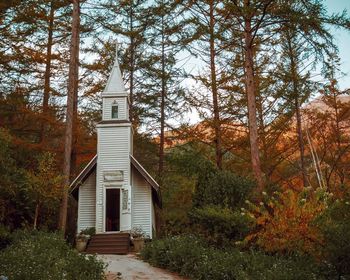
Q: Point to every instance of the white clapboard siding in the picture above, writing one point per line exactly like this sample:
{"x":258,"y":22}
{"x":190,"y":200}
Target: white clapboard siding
{"x":153,"y":217}
{"x":113,"y":154}
{"x":86,"y":203}
{"x":122,"y":108}
{"x":141,"y":203}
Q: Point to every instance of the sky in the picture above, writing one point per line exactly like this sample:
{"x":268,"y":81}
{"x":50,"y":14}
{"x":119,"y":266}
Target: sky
{"x":342,"y":38}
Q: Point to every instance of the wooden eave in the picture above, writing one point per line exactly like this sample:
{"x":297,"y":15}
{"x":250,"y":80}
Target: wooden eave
{"x":155,"y":187}
{"x":144,"y":173}
{"x":91,"y":166}
{"x":84,"y":174}
{"x":114,"y":122}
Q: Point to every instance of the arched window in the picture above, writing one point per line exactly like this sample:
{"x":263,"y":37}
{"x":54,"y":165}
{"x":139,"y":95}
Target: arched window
{"x":114,"y":110}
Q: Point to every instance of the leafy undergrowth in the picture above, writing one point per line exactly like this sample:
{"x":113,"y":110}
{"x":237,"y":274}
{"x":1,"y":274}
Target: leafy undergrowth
{"x":190,"y":257}
{"x":46,"y":256}
{"x":285,"y":222}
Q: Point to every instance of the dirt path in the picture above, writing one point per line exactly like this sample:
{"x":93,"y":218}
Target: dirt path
{"x":129,"y":267}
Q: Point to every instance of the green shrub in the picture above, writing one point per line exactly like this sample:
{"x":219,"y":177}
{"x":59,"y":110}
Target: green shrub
{"x":221,"y":188}
{"x":191,"y":257}
{"x":335,"y":227}
{"x":39,"y":255}
{"x":178,"y":190}
{"x":16,"y":204}
{"x":5,"y":237}
{"x":221,"y":226}
{"x":177,"y":254}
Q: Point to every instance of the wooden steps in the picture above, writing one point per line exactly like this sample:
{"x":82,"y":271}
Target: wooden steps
{"x":109,"y":243}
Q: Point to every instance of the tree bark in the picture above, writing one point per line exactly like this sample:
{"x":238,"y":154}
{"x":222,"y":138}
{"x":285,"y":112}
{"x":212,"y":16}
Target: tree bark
{"x":36,"y":216}
{"x":74,"y":152}
{"x":299,"y":131}
{"x":132,"y":61}
{"x":300,"y":140}
{"x":251,"y":99}
{"x":217,"y":123}
{"x":72,"y":86}
{"x":261,"y":125}
{"x":47,"y":74}
{"x":338,"y":135}
{"x":162,"y":107}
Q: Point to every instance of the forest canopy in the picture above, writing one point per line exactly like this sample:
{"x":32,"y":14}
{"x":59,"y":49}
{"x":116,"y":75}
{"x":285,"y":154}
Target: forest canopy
{"x":226,"y":111}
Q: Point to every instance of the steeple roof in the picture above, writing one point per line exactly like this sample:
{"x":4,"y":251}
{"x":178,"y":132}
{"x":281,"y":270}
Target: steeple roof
{"x":115,"y":84}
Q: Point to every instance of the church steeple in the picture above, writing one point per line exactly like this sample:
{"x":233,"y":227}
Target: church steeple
{"x":115,"y":84}
{"x":115,"y":97}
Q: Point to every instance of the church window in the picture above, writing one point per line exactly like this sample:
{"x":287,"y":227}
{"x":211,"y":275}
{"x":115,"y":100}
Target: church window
{"x":114,"y":110}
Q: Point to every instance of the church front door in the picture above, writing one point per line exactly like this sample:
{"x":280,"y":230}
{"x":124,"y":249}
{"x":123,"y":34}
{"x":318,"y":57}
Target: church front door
{"x":112,"y":209}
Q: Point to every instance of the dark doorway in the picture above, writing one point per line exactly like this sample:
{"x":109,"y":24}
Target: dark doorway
{"x":112,"y":209}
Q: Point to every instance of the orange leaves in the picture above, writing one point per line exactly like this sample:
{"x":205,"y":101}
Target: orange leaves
{"x":262,"y":220}
{"x":284,"y":223}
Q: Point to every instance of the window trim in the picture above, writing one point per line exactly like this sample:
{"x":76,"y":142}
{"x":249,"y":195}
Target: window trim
{"x":115,"y":105}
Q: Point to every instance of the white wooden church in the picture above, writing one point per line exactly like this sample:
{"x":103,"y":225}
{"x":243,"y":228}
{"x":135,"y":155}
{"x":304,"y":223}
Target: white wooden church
{"x":115,"y":193}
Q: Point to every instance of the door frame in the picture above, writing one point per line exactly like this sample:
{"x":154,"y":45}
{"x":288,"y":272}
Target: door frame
{"x":108,"y":187}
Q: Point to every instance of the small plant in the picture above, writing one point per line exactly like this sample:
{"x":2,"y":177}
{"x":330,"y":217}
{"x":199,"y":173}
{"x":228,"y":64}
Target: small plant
{"x":138,"y":237}
{"x":88,"y":231}
{"x":86,"y":234}
{"x":83,"y":238}
{"x":138,"y":233}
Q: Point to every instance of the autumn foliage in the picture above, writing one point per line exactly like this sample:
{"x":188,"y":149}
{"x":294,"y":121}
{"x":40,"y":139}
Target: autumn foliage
{"x":285,"y":222}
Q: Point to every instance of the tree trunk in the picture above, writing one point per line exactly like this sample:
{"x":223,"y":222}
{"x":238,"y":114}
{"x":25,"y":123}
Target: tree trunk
{"x":299,"y":131}
{"x":251,"y":98}
{"x":47,"y":74}
{"x":36,"y":216}
{"x":217,"y":124}
{"x":132,"y":67}
{"x":261,"y":125}
{"x":300,"y":140}
{"x":340,"y":150}
{"x":74,"y":153}
{"x":72,"y":86}
{"x":162,"y":107}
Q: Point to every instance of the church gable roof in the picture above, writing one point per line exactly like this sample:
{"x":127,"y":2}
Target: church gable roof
{"x":84,"y":174}
{"x":144,"y":173}
{"x":91,"y":166}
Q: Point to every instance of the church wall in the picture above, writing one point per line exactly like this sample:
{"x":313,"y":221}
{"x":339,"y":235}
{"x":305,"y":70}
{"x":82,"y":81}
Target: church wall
{"x":86,"y":203}
{"x":141,"y":203}
{"x":153,"y":217}
{"x":113,"y":154}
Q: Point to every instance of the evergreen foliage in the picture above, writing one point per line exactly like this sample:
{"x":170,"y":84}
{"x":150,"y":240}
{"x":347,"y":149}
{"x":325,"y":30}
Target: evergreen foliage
{"x":220,"y":226}
{"x":246,"y":67}
{"x":40,"y":255}
{"x":192,"y":258}
{"x":335,"y":227}
{"x":222,"y":188}
{"x":15,"y":199}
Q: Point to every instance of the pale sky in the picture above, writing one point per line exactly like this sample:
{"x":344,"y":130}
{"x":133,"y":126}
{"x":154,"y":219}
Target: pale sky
{"x":342,"y":39}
